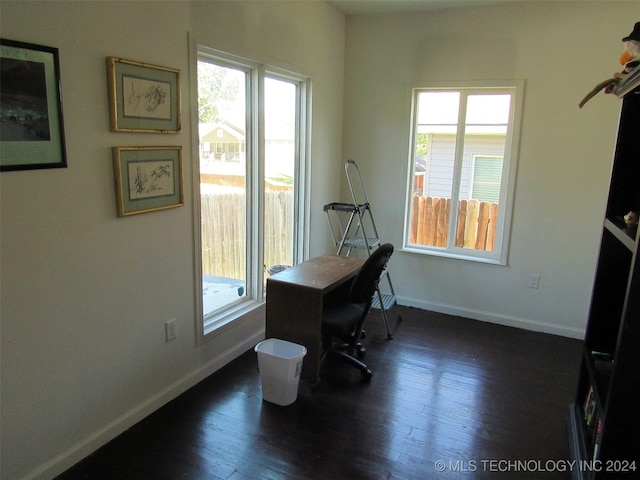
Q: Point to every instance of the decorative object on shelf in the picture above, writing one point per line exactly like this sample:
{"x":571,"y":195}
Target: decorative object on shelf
{"x":32,"y":134}
{"x":143,"y":97}
{"x":630,"y":60}
{"x":631,"y":219}
{"x":147,"y":179}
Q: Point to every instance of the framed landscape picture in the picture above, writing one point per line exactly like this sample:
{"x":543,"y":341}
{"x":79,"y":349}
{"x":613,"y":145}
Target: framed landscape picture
{"x":143,"y":97}
{"x":147,"y":179}
{"x":32,"y":127}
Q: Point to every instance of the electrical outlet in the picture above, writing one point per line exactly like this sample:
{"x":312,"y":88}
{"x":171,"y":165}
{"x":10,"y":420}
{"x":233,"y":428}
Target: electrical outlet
{"x":534,"y":280}
{"x":170,"y":329}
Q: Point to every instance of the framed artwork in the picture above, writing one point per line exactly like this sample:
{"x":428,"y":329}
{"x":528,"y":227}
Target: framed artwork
{"x":143,"y":97}
{"x":147,"y":179}
{"x":32,"y":131}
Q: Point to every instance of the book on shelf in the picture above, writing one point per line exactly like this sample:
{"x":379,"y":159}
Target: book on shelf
{"x":587,"y":399}
{"x":590,"y":407}
{"x":598,"y":440}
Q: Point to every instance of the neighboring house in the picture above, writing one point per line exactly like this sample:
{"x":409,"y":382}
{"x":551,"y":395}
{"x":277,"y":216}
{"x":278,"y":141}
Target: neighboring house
{"x":225,"y":142}
{"x":481,"y":167}
{"x":222,"y":141}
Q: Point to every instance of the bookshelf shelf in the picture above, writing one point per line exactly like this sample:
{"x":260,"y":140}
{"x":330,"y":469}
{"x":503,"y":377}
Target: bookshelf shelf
{"x":604,"y":418}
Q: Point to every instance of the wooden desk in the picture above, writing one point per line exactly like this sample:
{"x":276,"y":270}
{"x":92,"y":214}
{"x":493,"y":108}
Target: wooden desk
{"x":295,"y":299}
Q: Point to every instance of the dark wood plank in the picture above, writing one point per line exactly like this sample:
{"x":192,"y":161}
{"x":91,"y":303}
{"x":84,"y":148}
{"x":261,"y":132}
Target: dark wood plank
{"x":444,"y":389}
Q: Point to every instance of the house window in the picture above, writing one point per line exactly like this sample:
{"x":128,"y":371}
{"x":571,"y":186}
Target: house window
{"x":251,"y":208}
{"x":462,"y":170}
{"x":487,"y":178}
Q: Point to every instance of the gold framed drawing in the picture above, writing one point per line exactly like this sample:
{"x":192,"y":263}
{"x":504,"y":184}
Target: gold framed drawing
{"x":147,"y":179}
{"x":143,"y":97}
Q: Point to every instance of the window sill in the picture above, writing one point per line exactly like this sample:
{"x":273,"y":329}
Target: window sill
{"x":454,"y":255}
{"x":229,"y":319}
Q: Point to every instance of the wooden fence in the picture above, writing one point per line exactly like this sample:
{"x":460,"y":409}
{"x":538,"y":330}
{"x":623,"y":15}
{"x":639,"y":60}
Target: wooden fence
{"x":224,"y":232}
{"x":475,"y":227}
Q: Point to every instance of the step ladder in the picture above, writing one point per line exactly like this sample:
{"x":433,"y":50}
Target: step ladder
{"x":352,"y":227}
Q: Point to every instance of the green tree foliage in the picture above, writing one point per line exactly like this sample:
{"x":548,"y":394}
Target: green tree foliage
{"x":217,"y":87}
{"x":422,"y":142}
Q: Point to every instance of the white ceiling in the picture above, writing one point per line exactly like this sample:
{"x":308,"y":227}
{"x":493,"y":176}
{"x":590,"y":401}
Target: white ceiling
{"x":381,"y":7}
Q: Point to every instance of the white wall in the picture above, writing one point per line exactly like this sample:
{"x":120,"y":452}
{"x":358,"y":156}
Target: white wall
{"x":85,"y":294}
{"x":561,"y":49}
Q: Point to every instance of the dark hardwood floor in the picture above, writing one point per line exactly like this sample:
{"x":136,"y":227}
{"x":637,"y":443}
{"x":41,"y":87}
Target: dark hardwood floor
{"x":447,"y":393}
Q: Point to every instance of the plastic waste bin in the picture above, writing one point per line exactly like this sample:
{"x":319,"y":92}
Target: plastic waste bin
{"x":280,"y":364}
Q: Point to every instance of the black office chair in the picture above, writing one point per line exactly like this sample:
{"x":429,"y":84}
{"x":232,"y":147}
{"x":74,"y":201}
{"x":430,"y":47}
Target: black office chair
{"x":344,"y":320}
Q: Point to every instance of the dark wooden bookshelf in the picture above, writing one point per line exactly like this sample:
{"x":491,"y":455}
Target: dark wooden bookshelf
{"x":604,"y":418}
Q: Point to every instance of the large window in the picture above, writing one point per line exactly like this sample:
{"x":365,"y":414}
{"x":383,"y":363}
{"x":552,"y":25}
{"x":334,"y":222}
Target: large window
{"x":462,"y":170}
{"x":252,"y":126}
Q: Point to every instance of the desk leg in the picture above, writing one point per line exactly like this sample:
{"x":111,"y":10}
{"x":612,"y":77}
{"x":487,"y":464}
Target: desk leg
{"x":294,"y":314}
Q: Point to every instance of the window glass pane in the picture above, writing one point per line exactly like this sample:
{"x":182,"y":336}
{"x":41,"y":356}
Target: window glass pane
{"x":435,"y":142}
{"x":280,"y":159}
{"x":488,"y":113}
{"x":439,"y":111}
{"x":481,"y":176}
{"x":221,"y":129}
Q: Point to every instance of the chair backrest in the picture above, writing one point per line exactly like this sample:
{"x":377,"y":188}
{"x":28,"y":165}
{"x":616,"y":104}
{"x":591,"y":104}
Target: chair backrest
{"x":365,"y":283}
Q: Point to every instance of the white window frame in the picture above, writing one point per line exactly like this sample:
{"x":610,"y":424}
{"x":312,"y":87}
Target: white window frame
{"x":210,"y":326}
{"x":499,"y":255}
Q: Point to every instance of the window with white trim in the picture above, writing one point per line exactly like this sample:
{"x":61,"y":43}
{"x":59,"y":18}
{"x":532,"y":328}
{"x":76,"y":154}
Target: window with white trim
{"x":251,"y":211}
{"x":462,"y":171}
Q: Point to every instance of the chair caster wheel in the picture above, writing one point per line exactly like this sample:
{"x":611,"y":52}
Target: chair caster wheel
{"x":366,"y":375}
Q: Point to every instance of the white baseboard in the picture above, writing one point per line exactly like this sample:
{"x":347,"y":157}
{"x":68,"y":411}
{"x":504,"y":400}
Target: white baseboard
{"x":77,"y":452}
{"x":491,"y":317}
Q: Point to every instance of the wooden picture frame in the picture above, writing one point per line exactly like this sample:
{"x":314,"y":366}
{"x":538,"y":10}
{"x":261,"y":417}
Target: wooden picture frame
{"x":32,"y":132}
{"x":147,"y":179}
{"x":143,"y":97}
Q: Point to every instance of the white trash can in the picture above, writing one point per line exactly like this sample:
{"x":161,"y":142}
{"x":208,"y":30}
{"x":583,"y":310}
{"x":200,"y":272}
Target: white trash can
{"x":280,"y":364}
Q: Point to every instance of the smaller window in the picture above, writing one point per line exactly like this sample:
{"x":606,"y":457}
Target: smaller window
{"x":462,"y":169}
{"x":487,"y":178}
